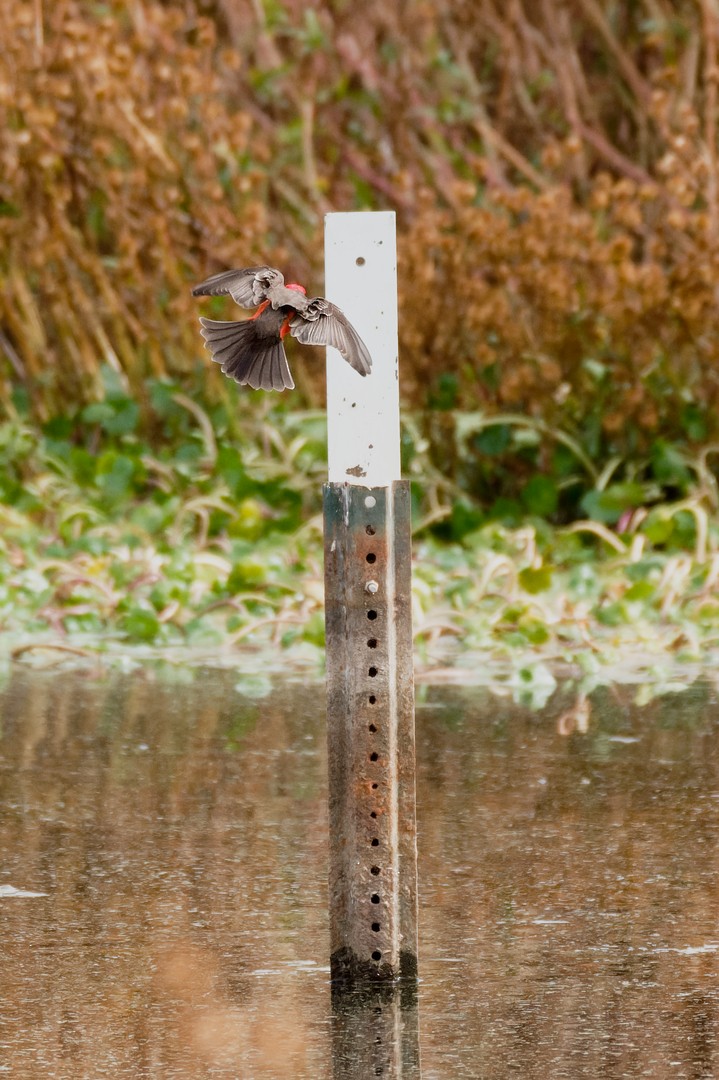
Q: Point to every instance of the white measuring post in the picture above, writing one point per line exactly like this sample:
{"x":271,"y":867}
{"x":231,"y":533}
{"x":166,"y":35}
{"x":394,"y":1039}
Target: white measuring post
{"x":370,"y":685}
{"x":363,"y":414}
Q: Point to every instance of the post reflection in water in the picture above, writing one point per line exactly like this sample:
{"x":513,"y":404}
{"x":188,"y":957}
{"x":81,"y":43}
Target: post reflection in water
{"x":163,"y":885}
{"x":375,"y":1032}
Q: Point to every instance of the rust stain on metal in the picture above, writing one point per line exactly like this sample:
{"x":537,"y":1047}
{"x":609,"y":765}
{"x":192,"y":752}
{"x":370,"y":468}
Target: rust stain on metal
{"x":357,"y":471}
{"x":370,"y":698}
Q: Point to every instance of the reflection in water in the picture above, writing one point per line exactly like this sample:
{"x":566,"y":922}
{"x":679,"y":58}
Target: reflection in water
{"x":375,"y":1032}
{"x":179,"y":832}
{"x":571,"y":885}
{"x":172,"y":838}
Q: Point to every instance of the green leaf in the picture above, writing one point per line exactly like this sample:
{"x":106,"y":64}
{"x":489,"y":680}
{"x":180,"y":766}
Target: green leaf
{"x":608,"y":506}
{"x":162,"y":397}
{"x":694,"y":423}
{"x":113,"y":384}
{"x":535,"y":580}
{"x":508,"y":511}
{"x":97,"y":413}
{"x":708,"y":613}
{"x":614,"y":614}
{"x":686,"y":527}
{"x":314,"y":629}
{"x":494,"y":439}
{"x":540,"y":496}
{"x":141,"y":625}
{"x":231,"y":468}
{"x":640,"y":590}
{"x":658,"y":527}
{"x":668,"y":465}
{"x":124,"y":418}
{"x":465,"y":519}
{"x":444,"y":395}
{"x":114,"y":475}
{"x":246,"y":574}
{"x":537,"y":633}
{"x":58,"y":427}
{"x":651,"y":566}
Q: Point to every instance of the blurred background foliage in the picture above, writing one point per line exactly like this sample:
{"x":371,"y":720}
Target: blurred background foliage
{"x":554,"y":169}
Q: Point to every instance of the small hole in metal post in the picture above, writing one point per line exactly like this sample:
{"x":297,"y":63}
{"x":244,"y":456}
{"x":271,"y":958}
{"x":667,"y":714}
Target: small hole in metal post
{"x":370,"y":530}
{"x":376,"y":955}
{"x":374,"y":756}
{"x":371,"y":615}
{"x":376,"y":927}
{"x":371,"y":557}
{"x":372,"y":728}
{"x":375,"y":786}
{"x":373,"y":814}
{"x":372,"y":672}
{"x":374,"y":898}
{"x":370,"y":501}
{"x":374,"y":842}
{"x":372,"y":643}
{"x":360,"y":260}
{"x":372,"y":699}
{"x":375,"y":870}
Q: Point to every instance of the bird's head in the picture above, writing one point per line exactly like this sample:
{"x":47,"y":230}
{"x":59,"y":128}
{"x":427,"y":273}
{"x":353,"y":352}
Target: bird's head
{"x":297,"y":288}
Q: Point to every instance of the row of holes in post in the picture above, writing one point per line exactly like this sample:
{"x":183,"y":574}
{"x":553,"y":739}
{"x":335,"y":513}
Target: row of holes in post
{"x":372,"y":671}
{"x":372,"y":644}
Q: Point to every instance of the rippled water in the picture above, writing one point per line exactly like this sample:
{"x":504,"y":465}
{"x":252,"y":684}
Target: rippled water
{"x":175,"y":829}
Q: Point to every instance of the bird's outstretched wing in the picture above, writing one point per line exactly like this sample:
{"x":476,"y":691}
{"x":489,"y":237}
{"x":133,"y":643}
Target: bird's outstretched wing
{"x":322,"y":323}
{"x":248,"y":358}
{"x":248,"y":287}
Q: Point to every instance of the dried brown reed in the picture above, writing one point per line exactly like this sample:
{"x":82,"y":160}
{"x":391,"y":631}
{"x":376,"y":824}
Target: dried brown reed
{"x":554,"y":165}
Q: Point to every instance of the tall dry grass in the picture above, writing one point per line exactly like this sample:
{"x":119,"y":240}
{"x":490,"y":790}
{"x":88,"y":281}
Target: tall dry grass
{"x":553,"y":163}
{"x":121,"y":172}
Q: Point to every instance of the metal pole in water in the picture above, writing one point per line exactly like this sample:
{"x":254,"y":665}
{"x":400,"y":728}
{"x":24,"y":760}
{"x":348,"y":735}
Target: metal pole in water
{"x":370,"y":686}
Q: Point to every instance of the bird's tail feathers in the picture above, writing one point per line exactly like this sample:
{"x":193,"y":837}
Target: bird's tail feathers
{"x":246,"y":357}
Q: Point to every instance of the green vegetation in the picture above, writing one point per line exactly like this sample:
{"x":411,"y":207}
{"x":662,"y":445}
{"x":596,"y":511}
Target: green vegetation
{"x":190,"y":541}
{"x":210,"y":537}
{"x":556,"y":180}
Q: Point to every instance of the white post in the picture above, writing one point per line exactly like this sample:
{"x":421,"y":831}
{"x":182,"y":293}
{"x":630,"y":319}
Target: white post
{"x":363,"y":414}
{"x":370,"y":686}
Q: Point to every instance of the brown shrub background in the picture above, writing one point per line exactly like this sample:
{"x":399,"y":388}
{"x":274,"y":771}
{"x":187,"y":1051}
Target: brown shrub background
{"x":553,"y":165}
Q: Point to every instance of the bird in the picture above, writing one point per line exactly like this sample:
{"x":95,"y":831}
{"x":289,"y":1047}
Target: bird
{"x":252,"y":351}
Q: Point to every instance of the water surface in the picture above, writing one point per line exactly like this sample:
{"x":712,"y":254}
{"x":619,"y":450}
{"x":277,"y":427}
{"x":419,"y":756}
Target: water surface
{"x":175,"y":826}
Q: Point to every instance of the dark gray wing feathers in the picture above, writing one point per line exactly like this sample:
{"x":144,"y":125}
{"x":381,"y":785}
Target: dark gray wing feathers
{"x":251,"y":355}
{"x":322,"y":323}
{"x":248,"y":287}
{"x":246,"y":356}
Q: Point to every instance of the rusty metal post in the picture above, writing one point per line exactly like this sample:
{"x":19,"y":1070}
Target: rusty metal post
{"x":370,"y":686}
{"x":370,"y":715}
